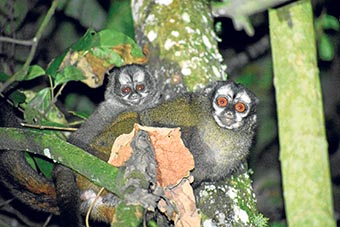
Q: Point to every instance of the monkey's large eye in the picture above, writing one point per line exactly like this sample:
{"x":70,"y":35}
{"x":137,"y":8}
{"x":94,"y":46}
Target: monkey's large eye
{"x":140,"y":87}
{"x":222,"y":101}
{"x":126,"y":90}
{"x":240,"y":107}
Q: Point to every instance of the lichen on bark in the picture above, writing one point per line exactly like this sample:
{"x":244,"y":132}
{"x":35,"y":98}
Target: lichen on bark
{"x":184,"y":54}
{"x":180,"y":35}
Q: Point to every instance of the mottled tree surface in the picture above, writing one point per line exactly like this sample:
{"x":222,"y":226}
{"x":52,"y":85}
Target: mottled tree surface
{"x":303,"y":145}
{"x":182,"y":41}
{"x":185,"y":56}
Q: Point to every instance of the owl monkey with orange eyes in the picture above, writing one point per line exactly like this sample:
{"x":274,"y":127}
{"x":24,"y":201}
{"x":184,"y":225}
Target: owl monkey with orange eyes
{"x":130,"y":88}
{"x":217,"y":125}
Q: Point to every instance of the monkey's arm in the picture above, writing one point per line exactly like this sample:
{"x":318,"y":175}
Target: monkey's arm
{"x":95,"y":124}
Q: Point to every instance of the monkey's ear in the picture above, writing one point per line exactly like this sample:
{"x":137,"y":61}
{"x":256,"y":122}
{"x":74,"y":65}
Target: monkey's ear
{"x":209,"y":88}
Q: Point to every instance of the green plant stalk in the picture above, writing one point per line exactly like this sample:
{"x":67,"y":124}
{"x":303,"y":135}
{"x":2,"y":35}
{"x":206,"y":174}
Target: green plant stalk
{"x":303,"y":145}
{"x":35,"y":40}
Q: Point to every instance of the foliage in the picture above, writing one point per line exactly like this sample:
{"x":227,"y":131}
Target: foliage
{"x":323,"y":24}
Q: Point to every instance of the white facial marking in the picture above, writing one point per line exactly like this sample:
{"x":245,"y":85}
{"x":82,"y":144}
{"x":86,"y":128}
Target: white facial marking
{"x":225,"y":91}
{"x":139,"y":76}
{"x":124,"y":78}
{"x":243,"y":96}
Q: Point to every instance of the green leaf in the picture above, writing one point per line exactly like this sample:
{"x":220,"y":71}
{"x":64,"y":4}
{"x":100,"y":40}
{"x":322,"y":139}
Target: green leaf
{"x":45,"y":166}
{"x":30,"y":160}
{"x":54,"y":66}
{"x":3,"y":77}
{"x":326,"y":48}
{"x":40,"y":163}
{"x":86,"y":42}
{"x":109,"y":55}
{"x":41,"y":108}
{"x":17,"y":98}
{"x":36,"y":107}
{"x":329,"y":22}
{"x":111,"y":38}
{"x":34,"y":71}
{"x":69,"y":73}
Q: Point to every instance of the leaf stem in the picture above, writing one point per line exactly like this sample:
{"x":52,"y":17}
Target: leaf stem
{"x":34,"y":44}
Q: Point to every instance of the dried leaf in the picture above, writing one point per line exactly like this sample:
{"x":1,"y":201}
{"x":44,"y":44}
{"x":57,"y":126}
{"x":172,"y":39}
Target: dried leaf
{"x":96,"y":53}
{"x":174,"y":160}
{"x":79,"y":60}
{"x":182,"y":196}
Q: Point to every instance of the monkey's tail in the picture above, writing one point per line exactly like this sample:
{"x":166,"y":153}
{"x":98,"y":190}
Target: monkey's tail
{"x":26,"y":184}
{"x":22,"y":181}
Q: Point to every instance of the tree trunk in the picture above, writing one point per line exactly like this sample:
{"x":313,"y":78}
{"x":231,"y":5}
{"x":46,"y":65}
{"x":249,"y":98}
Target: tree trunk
{"x":184,"y":55}
{"x":303,"y":145}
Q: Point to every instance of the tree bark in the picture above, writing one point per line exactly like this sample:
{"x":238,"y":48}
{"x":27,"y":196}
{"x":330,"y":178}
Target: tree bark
{"x":303,"y":145}
{"x":185,"y":56}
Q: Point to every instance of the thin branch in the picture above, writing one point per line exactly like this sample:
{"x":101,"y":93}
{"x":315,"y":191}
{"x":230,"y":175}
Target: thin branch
{"x":16,"y":41}
{"x":48,"y":127}
{"x":35,"y":40}
{"x":246,"y":8}
{"x":240,"y":10}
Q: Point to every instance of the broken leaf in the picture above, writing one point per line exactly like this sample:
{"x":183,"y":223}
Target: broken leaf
{"x":182,"y":196}
{"x":174,"y":160}
{"x":96,"y":53}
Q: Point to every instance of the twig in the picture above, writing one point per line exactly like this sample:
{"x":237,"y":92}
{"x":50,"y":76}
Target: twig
{"x":35,"y":40}
{"x":88,"y":213}
{"x":16,"y":41}
{"x":48,"y":220}
{"x":48,"y":127}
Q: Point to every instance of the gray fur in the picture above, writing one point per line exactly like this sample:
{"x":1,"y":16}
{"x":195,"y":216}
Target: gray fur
{"x":116,"y":102}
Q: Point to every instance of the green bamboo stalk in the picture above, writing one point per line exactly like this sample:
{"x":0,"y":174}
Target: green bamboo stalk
{"x":303,"y":145}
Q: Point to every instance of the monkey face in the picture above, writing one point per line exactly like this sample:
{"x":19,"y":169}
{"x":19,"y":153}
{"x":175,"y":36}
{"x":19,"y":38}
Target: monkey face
{"x":133,"y":85}
{"x":232,"y":105}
